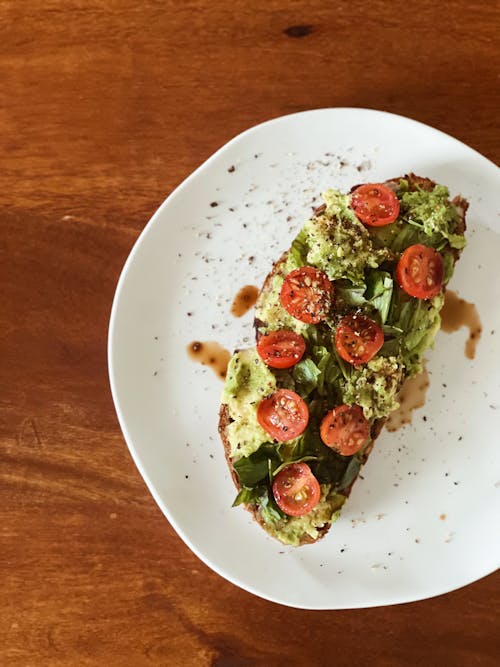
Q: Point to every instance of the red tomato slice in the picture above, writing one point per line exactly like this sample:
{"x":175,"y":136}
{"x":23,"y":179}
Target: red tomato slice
{"x":358,"y":339}
{"x":420,"y":271}
{"x":281,"y":349}
{"x":296,"y":490}
{"x":375,"y":204}
{"x":307,"y":294}
{"x":345,"y":429}
{"x":284,"y":415}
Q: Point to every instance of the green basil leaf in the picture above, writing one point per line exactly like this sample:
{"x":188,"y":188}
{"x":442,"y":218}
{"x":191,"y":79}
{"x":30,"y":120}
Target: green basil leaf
{"x":309,"y":444}
{"x":350,"y":473}
{"x":284,"y":378}
{"x":305,"y":374}
{"x":254,"y":468}
{"x":330,"y":467}
{"x":407,"y":236}
{"x":269,"y":510}
{"x":249,"y":495}
{"x":449,"y":263}
{"x":346,"y":369}
{"x":351,"y":295}
{"x":303,"y":459}
{"x":379,"y":287}
{"x":390,"y":348}
{"x":299,"y":249}
{"x":391,"y":331}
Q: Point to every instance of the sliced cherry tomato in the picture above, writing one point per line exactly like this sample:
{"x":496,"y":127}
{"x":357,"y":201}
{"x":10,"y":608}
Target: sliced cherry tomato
{"x":358,"y":339}
{"x":420,"y":271}
{"x":281,"y":349}
{"x":307,"y":294}
{"x":375,"y":204}
{"x":284,"y":415}
{"x":345,"y":429}
{"x":296,"y":490}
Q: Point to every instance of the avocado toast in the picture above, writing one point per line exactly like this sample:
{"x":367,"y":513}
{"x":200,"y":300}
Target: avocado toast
{"x":342,"y":320}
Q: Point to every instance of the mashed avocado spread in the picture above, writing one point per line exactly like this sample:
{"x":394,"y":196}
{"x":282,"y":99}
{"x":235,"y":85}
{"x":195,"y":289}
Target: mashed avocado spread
{"x":360,"y":261}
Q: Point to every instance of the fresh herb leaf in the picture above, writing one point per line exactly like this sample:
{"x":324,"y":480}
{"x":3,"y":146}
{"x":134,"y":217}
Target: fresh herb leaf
{"x":249,"y":495}
{"x":327,"y":466}
{"x":406,"y":237}
{"x":305,"y":374}
{"x":303,"y":459}
{"x":347,"y":369}
{"x":330,"y":467}
{"x":448,"y":266}
{"x":391,"y":330}
{"x":390,"y":348}
{"x":254,"y":468}
{"x":269,"y":510}
{"x":272,"y":466}
{"x":351,"y":294}
{"x":379,"y":287}
{"x":284,"y":379}
{"x":299,"y":249}
{"x":350,"y":473}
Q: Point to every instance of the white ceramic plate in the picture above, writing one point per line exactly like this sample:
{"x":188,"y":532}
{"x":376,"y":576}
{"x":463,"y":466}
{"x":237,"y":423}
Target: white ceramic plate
{"x":390,"y":545}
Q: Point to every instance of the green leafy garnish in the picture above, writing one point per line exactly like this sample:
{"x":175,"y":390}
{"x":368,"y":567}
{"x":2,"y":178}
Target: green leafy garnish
{"x":352,"y":295}
{"x":351,"y":472}
{"x":254,"y":468}
{"x":379,"y":287}
{"x":305,"y":374}
{"x":250,"y":495}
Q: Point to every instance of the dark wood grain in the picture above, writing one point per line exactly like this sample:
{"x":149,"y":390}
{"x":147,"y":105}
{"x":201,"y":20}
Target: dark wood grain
{"x":104,"y":108}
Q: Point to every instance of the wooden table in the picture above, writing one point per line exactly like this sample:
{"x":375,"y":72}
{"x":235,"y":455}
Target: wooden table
{"x":105,"y":107}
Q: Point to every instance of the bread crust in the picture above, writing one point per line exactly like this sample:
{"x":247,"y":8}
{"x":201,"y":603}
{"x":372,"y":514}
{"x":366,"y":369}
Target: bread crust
{"x":224,"y":417}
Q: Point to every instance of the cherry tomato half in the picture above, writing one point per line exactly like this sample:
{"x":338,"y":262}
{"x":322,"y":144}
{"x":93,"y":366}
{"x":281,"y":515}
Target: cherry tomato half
{"x":375,"y":204}
{"x":281,"y":349}
{"x":284,"y":415}
{"x":296,"y":490}
{"x":307,"y":294}
{"x":420,"y":271}
{"x":345,"y":429}
{"x":358,"y":339}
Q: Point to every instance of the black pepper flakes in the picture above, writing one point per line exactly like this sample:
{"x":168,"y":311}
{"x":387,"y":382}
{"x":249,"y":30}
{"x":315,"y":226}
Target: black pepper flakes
{"x":232,"y":169}
{"x":213,"y":204}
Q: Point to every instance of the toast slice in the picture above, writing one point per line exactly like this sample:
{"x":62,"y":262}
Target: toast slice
{"x":364,"y":283}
